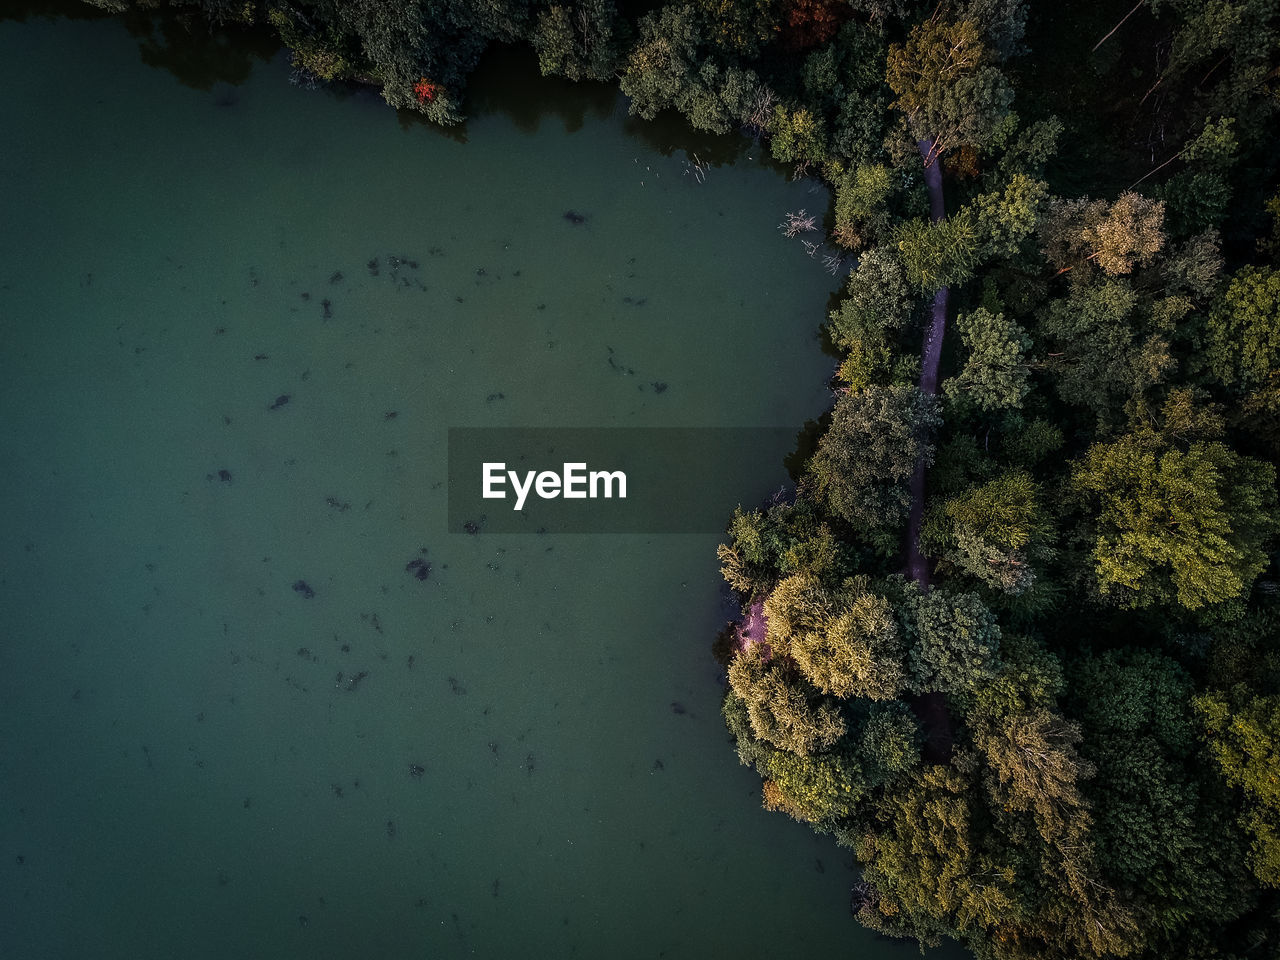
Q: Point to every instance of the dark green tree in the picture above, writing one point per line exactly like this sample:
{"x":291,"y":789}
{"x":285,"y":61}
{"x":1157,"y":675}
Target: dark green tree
{"x":953,"y":641}
{"x":580,"y":41}
{"x":996,"y":532}
{"x":867,"y":456}
{"x":667,"y":69}
{"x":1154,"y":808}
{"x":1105,"y":345}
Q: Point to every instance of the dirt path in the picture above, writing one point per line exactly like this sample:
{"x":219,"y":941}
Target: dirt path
{"x":930,"y":359}
{"x":930,"y":708}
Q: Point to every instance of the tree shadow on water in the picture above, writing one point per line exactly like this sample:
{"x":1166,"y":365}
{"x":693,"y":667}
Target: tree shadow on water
{"x":807,"y":439}
{"x":412,"y":119}
{"x":670,"y":132}
{"x":508,"y":82}
{"x":22,"y":10}
{"x":198,"y":53}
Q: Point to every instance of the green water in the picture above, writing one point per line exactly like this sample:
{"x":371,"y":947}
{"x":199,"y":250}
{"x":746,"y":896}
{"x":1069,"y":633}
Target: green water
{"x":189,"y":769}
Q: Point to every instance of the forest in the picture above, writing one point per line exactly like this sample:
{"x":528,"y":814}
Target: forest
{"x":1012,"y":639}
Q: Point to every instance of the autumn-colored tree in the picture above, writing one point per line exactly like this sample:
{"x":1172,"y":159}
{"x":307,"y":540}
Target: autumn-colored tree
{"x":1033,"y":757}
{"x":812,"y":22}
{"x":1116,"y":237}
{"x":928,"y":866}
{"x":783,"y":707}
{"x":845,"y":641}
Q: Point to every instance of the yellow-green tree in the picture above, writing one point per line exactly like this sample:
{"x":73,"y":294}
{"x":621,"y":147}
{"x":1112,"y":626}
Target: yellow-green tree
{"x":1176,"y":522}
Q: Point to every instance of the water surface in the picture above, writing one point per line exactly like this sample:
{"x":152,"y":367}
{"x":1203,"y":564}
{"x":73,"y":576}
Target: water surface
{"x":519,"y":756}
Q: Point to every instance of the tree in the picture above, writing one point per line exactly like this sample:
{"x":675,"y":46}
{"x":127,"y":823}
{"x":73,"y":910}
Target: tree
{"x":666,"y":70}
{"x":1197,"y":196}
{"x":1030,"y":678}
{"x":843,"y":83}
{"x":1244,"y":738}
{"x":322,"y":55}
{"x":1001,"y":22}
{"x":799,"y":603}
{"x":752,"y":751}
{"x":995,"y":375}
{"x":953,"y":641}
{"x":927,"y":864}
{"x":1021,"y":148}
{"x":861,"y":214}
{"x":880,"y":12}
{"x":947,"y":85}
{"x":996,"y":532}
{"x":796,"y":135}
{"x":1270,"y":246}
{"x":1105,"y":345}
{"x":782,"y":707}
{"x":810,"y":23}
{"x":1176,"y":522}
{"x":580,"y":42}
{"x":1234,"y":43}
{"x":845,"y":642}
{"x":1009,"y":217}
{"x":1155,"y":809}
{"x":812,"y":789}
{"x":879,"y":299}
{"x":890,"y":742}
{"x":878,"y":307}
{"x":1116,"y":237}
{"x":1033,"y":760}
{"x":940,"y":254}
{"x":867,"y":456}
{"x":1244,"y":329}
{"x":740,"y":29}
{"x":784,"y":539}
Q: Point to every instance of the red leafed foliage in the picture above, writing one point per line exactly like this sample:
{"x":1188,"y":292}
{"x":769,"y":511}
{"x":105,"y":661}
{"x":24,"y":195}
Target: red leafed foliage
{"x":813,"y":22}
{"x":426,"y":90}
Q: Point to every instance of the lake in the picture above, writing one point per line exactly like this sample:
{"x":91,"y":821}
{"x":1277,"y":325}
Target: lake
{"x":239,"y":320}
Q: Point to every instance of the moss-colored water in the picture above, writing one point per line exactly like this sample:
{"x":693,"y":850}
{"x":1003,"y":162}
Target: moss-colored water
{"x":520,"y":755}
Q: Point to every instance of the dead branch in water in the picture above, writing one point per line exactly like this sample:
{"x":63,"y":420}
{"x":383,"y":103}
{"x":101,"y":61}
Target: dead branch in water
{"x":797,"y":223}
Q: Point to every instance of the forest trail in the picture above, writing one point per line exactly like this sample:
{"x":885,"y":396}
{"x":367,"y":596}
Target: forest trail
{"x":930,"y":359}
